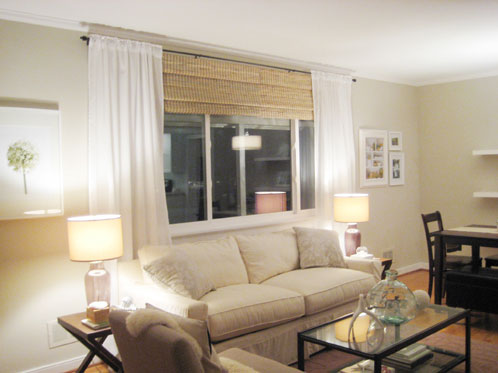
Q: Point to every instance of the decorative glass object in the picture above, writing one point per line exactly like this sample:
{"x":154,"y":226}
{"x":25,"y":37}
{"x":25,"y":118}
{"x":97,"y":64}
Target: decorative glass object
{"x":365,"y":326}
{"x":392,"y":301}
{"x":98,"y":284}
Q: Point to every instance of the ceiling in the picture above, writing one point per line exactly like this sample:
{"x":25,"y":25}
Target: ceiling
{"x":416,"y":42}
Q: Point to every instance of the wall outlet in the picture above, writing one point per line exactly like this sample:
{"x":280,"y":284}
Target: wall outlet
{"x":387,"y":254}
{"x":57,"y":335}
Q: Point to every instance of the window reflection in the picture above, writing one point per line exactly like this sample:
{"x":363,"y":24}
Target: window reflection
{"x":238,"y":174}
{"x":184,"y":167}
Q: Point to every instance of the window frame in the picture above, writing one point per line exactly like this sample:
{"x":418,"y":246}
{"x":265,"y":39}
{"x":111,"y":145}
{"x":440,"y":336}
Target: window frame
{"x":211,"y":225}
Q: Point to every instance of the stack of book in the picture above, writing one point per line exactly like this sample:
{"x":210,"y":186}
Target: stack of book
{"x":409,"y":358}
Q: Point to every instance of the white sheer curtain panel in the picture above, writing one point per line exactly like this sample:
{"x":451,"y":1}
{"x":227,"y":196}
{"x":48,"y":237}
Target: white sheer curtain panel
{"x":125,"y":138}
{"x":335,"y":152}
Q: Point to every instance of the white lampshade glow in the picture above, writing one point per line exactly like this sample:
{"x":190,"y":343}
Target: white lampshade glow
{"x":95,"y":237}
{"x":351,"y":208}
{"x":246,"y":142}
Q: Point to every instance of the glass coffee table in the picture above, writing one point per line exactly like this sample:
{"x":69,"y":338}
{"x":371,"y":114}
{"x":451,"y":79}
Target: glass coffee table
{"x":428,"y":321}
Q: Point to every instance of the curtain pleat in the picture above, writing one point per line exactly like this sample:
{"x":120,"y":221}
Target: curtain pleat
{"x":335,"y":152}
{"x":126,"y":119}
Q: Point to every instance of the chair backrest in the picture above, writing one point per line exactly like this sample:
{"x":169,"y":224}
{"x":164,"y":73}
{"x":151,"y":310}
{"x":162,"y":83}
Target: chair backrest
{"x":157,"y":349}
{"x":429,"y":234}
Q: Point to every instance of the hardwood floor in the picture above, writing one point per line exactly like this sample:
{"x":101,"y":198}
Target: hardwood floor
{"x":484,"y":326}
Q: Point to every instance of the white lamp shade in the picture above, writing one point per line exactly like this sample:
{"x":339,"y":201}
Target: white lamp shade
{"x":267,"y":202}
{"x":95,"y":238}
{"x":246,"y":142}
{"x":351,"y":208}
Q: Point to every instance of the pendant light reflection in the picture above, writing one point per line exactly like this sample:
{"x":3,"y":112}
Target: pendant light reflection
{"x":246,"y":142}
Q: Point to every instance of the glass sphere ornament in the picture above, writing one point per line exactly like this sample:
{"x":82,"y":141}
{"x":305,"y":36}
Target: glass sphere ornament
{"x":391,"y":300}
{"x":423,"y":299}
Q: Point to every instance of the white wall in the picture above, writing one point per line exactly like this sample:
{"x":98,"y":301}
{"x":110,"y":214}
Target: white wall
{"x":38,"y":282}
{"x":395,"y":222}
{"x":456,"y":118}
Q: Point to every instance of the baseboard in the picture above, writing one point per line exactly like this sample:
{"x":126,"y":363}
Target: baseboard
{"x":61,"y":366}
{"x":413,"y":267}
{"x":73,"y":363}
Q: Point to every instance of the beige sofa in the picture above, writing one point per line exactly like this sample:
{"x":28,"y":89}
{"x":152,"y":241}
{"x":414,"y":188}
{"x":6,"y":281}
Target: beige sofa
{"x":262,"y":296}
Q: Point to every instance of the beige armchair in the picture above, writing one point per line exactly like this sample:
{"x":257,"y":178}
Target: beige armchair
{"x":160,"y":348}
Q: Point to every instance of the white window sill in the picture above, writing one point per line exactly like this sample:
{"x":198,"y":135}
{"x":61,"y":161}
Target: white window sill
{"x":239,"y":223}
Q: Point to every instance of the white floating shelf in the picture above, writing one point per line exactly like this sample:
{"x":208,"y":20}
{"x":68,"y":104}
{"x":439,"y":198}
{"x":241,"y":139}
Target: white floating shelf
{"x":485,"y":152}
{"x":486,"y":194}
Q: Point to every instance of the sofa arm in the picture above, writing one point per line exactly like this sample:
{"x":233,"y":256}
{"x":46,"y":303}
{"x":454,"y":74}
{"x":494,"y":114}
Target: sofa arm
{"x":372,"y":266}
{"x":152,"y":294}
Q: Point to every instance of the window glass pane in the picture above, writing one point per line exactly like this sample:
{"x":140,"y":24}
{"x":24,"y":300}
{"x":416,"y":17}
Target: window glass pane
{"x":250,"y":181}
{"x":184,"y":167}
{"x":307,"y":164}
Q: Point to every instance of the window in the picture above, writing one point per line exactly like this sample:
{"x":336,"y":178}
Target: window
{"x":210,"y":172}
{"x":244,"y":181}
{"x":184,"y":167}
{"x":307,"y":164}
{"x":247,"y":182}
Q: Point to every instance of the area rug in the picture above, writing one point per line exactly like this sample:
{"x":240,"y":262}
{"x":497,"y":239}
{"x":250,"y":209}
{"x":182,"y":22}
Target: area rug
{"x":484,"y":356}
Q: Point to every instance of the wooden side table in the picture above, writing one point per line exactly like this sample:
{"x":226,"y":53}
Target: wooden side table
{"x":91,"y":339}
{"x":386,"y":263}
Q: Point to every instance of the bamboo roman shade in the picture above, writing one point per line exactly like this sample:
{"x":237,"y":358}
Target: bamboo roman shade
{"x":196,"y":85}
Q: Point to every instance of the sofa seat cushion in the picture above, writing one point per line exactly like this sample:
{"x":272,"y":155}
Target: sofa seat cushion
{"x":324,"y":287}
{"x":239,"y":309}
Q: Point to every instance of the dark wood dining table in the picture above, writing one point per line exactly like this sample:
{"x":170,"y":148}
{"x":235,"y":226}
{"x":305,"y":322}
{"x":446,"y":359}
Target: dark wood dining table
{"x":473,"y":235}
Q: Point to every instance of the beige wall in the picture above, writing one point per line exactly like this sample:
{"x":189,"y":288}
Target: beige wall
{"x":37,"y":280}
{"x":395,"y":222}
{"x":456,"y":118}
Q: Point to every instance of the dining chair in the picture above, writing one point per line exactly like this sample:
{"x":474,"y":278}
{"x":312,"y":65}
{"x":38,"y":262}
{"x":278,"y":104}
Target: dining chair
{"x":451,"y":261}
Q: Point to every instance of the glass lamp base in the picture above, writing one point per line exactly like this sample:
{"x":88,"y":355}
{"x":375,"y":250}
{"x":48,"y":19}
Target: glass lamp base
{"x":352,"y":239}
{"x":98,"y":284}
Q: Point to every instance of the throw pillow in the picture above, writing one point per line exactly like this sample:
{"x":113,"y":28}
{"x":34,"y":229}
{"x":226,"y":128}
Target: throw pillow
{"x":319,"y":248}
{"x":147,"y":255}
{"x":178,"y":273}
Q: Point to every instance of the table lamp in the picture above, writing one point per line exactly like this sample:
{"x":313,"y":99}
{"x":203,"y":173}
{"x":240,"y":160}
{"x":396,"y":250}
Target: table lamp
{"x":93,"y":239}
{"x":352,"y":209}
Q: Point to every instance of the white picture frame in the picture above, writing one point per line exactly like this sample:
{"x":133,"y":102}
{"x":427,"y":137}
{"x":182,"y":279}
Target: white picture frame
{"x":373,"y":158}
{"x":395,"y":141}
{"x":396,"y":168}
{"x":30,"y":163}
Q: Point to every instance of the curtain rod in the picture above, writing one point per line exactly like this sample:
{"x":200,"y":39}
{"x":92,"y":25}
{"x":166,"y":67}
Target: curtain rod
{"x":197,"y":55}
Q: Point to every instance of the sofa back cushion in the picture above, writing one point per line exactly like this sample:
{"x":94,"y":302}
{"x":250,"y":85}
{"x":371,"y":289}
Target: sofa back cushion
{"x":269,"y":254}
{"x":219,"y":260}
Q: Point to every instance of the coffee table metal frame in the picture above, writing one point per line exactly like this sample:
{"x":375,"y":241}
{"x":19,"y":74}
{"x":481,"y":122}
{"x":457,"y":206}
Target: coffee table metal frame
{"x":402,"y":343}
